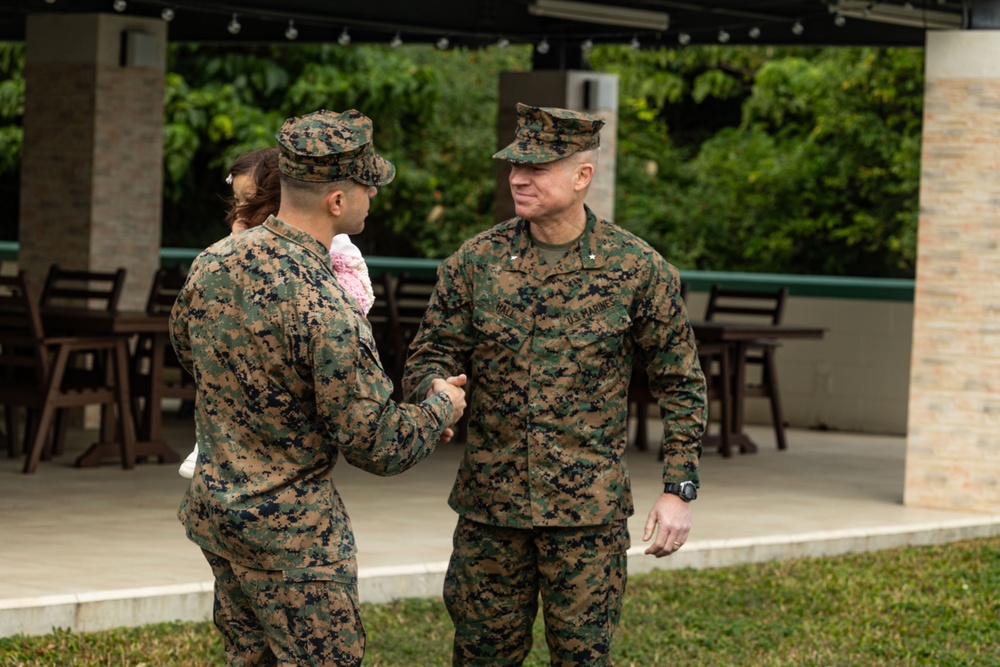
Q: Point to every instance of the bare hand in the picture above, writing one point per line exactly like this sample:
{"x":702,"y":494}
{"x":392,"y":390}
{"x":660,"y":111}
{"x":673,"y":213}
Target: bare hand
{"x":670,"y":519}
{"x":453,"y":388}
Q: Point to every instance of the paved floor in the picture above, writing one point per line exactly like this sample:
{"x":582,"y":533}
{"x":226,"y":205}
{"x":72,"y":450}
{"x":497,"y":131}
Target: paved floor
{"x":95,"y":548}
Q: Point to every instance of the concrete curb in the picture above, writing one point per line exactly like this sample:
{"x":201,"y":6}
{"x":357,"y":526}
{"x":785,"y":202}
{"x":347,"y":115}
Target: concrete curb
{"x":103,"y":610}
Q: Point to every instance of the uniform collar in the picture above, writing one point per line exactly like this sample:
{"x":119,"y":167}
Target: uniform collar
{"x":524,"y":257}
{"x":300,"y":238}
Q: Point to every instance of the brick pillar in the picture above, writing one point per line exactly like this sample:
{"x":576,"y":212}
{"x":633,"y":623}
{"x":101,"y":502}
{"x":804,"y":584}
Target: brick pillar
{"x":91,"y":175}
{"x":591,"y":92}
{"x":953,"y":434}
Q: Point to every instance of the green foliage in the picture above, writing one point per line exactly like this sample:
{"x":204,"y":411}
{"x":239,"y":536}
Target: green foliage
{"x":935,"y":606}
{"x":11,"y":135}
{"x":789,"y":160}
{"x":818,"y":174}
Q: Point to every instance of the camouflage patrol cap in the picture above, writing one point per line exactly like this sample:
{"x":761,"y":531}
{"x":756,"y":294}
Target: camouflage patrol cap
{"x":330,"y":146}
{"x":547,"y":134}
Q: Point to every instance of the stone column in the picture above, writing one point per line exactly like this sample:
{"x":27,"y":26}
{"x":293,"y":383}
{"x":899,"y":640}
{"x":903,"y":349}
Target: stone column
{"x":591,"y":92}
{"x":91,"y":175}
{"x":953,"y":434}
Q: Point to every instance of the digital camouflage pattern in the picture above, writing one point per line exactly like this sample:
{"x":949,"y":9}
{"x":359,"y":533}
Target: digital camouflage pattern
{"x":329,"y":146}
{"x":288,"y":378}
{"x":546,"y":134}
{"x":549,"y":351}
{"x":494,"y":579}
{"x":293,"y":617}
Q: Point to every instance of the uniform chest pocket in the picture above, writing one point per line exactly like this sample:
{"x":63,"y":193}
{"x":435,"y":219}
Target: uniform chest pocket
{"x":600,"y":341}
{"x":495,"y":328}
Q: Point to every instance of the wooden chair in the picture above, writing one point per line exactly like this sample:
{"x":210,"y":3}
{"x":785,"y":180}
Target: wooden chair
{"x":383,"y":316}
{"x":156,"y":371}
{"x":35,"y":374}
{"x":715,"y":359}
{"x":81,"y":288}
{"x":740,"y":305}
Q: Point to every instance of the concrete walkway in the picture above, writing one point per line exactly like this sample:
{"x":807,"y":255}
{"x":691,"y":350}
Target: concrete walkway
{"x":90,"y":549}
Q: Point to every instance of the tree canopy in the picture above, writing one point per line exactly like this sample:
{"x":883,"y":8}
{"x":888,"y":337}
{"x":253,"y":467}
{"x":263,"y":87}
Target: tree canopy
{"x":800,"y":161}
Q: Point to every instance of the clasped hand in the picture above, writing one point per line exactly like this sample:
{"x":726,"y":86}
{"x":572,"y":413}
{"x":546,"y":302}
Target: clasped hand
{"x":452,"y":387}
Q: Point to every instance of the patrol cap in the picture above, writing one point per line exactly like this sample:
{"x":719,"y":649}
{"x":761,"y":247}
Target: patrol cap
{"x":330,"y":146}
{"x":547,"y":134}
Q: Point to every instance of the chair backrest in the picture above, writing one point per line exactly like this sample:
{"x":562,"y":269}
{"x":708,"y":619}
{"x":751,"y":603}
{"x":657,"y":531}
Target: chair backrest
{"x":747,"y":305}
{"x":99,"y":290}
{"x":167,"y":284}
{"x":413,"y":294}
{"x":23,"y":356}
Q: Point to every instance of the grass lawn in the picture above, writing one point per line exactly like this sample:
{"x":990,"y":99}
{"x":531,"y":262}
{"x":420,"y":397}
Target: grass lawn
{"x":934,"y":606}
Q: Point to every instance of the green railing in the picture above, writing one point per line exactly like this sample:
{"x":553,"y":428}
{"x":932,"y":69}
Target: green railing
{"x":876,"y":289}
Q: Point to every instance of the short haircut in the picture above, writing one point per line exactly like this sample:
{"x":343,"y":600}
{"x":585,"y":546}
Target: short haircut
{"x":303,"y":194}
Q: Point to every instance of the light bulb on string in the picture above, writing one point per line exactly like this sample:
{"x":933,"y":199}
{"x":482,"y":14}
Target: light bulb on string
{"x":684,"y":39}
{"x":723,"y":36}
{"x":396,"y":42}
{"x":167,"y":14}
{"x":442,"y":43}
{"x":586,"y":46}
{"x":119,"y":6}
{"x":291,"y":32}
{"x":234,"y":26}
{"x":798,"y":28}
{"x":634,"y":44}
{"x":503,"y":43}
{"x":840,"y":20}
{"x":543,"y":46}
{"x":344,"y":38}
{"x":754,"y":33}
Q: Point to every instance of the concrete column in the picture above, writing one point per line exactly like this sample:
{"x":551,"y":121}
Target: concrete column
{"x":91,"y":179}
{"x":953,"y":434}
{"x":591,"y":92}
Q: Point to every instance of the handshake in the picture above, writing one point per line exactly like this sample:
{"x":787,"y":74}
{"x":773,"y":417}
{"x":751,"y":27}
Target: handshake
{"x":452,"y":387}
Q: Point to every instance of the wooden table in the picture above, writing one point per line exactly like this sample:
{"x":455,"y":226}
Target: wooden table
{"x":739,"y":336}
{"x":121,"y":325}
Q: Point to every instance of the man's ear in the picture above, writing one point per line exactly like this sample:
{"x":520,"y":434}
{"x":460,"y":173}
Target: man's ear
{"x":334,"y":201}
{"x":584,"y":175}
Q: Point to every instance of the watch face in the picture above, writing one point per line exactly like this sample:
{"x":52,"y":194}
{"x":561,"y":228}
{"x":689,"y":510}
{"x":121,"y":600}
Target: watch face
{"x":688,"y":491}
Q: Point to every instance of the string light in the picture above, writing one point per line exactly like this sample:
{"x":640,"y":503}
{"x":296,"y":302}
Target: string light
{"x":118,"y":5}
{"x":396,"y":42}
{"x":503,"y":43}
{"x":755,"y":33}
{"x":798,"y":28}
{"x":442,"y":43}
{"x":234,"y":26}
{"x":840,"y":20}
{"x":587,"y":45}
{"x":723,"y":36}
{"x":291,"y":32}
{"x":344,"y":38}
{"x":167,"y":14}
{"x":634,"y":44}
{"x":543,"y":46}
{"x":684,"y":39}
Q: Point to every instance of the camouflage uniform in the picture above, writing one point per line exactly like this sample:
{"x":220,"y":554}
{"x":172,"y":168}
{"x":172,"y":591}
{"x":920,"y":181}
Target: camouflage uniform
{"x":288,"y":379}
{"x":543,"y":486}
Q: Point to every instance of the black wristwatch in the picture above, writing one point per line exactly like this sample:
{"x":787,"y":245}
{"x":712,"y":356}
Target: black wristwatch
{"x":686,"y":491}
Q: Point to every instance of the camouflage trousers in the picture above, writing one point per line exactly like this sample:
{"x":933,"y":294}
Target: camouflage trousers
{"x":496,"y":575}
{"x":288,"y":618}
